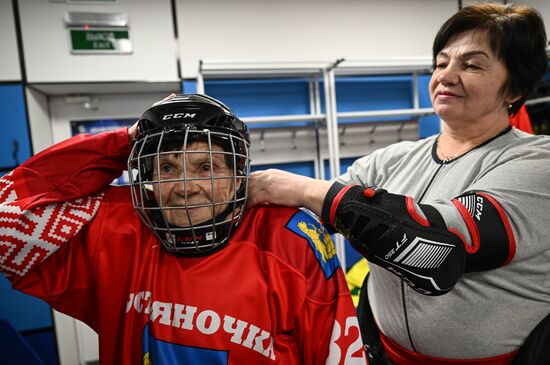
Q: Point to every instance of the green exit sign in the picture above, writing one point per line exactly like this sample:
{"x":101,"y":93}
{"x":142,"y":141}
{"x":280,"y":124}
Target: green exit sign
{"x":100,"y":41}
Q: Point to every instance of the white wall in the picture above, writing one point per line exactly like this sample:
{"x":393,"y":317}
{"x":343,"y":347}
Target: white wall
{"x":306,"y":30}
{"x":39,"y":120}
{"x":221,"y":30}
{"x":9,"y":59}
{"x":47,"y":49}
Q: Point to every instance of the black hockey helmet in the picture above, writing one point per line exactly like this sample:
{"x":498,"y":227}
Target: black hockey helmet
{"x":169,"y":127}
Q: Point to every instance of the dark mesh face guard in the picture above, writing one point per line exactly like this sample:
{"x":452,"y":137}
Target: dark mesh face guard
{"x":194,"y":237}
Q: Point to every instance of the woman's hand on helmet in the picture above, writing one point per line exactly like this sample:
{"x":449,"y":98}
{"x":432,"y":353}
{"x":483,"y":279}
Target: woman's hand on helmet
{"x":132,"y":131}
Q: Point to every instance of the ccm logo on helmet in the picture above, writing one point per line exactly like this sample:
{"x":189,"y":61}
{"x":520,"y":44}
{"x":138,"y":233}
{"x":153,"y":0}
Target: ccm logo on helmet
{"x":179,"y":116}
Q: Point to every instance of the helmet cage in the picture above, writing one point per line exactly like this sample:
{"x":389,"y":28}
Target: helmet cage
{"x":196,"y":238}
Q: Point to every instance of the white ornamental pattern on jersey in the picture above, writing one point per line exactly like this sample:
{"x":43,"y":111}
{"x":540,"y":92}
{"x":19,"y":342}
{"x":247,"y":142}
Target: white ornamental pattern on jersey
{"x":28,"y":237}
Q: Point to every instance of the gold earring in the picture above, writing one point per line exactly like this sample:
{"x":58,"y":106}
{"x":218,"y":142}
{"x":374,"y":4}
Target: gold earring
{"x":510,"y":106}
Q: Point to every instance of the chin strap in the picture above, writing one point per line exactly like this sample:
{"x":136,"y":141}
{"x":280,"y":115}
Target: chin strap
{"x":191,"y":241}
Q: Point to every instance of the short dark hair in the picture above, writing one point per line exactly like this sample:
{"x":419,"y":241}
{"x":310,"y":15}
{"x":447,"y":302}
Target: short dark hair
{"x":516,"y":35}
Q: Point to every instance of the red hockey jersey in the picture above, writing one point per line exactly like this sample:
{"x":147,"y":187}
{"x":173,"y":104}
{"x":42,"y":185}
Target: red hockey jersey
{"x":274,"y":295}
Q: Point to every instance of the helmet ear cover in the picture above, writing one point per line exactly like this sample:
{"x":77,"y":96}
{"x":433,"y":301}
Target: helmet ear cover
{"x":159,"y":132}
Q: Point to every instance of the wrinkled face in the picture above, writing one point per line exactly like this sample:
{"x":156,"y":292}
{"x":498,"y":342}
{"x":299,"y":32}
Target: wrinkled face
{"x":206,"y":181}
{"x":468,"y":80}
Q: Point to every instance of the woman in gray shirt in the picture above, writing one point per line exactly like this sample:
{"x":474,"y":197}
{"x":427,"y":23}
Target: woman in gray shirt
{"x":454,"y":226}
